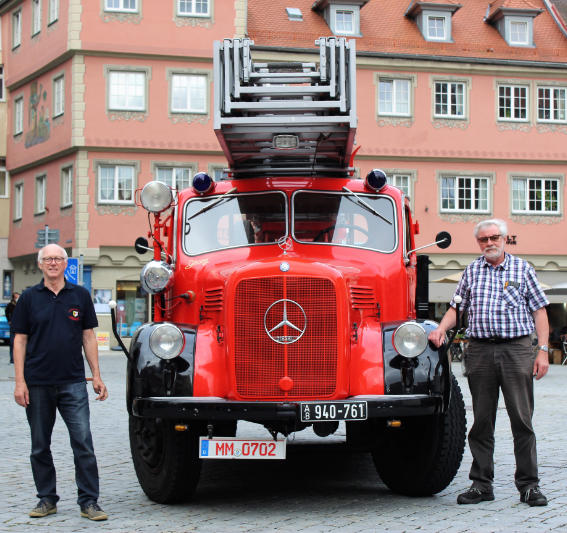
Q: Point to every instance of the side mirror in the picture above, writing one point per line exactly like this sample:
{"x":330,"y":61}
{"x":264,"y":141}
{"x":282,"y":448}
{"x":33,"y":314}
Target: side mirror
{"x":141,"y":246}
{"x":443,"y":239}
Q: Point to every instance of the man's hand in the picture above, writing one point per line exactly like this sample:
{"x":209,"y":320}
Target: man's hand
{"x":21,"y":394}
{"x":100,"y":388}
{"x":437,"y":336}
{"x":541,"y":364}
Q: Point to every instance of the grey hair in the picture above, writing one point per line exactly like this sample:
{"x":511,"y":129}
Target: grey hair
{"x":501,"y":224}
{"x":61,"y":249}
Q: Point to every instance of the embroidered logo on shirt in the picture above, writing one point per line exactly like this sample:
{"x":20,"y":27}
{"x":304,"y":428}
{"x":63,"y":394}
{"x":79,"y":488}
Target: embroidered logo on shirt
{"x":74,"y":314}
{"x":511,"y":284}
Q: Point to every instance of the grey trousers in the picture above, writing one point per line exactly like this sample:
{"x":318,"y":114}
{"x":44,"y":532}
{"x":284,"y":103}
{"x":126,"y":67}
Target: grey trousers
{"x":508,"y":367}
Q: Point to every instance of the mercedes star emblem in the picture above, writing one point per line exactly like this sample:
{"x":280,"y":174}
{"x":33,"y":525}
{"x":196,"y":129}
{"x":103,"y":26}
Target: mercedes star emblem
{"x":284,"y":331}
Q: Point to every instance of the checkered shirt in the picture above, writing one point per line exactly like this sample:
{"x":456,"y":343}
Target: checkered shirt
{"x":500,"y":299}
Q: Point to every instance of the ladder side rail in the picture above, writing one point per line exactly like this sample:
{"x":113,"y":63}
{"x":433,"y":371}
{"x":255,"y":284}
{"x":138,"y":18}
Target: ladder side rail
{"x":227,"y":83}
{"x":236,"y":68}
{"x":342,"y":76}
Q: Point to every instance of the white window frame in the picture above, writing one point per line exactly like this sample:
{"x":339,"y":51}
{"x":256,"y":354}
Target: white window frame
{"x":18,"y":200}
{"x":113,"y":94}
{"x":529,"y":184}
{"x":178,"y":76}
{"x":458,"y":187}
{"x":121,"y":8}
{"x":4,"y":183}
{"x":395,"y":180}
{"x":342,"y":16}
{"x":19,"y":115}
{"x":188,"y":8}
{"x":40,"y":194}
{"x":557,"y":104}
{"x":53,"y":12}
{"x":36,"y":17}
{"x":175,"y":171}
{"x":451,"y":96}
{"x":115,"y":189}
{"x":510,"y":22}
{"x":331,"y":17}
{"x":67,"y":186}
{"x":2,"y":86}
{"x":16,"y":28}
{"x":397,"y":88}
{"x":514,"y":108}
{"x":446,"y":18}
{"x":58,"y":95}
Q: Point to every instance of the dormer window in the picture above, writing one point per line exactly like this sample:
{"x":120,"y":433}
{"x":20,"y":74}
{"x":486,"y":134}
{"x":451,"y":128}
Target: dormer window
{"x":342,"y":16}
{"x":434,"y":19}
{"x":515,"y":25}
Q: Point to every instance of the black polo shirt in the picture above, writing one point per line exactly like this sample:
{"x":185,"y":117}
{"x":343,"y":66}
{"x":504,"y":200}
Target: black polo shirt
{"x":54,"y":325}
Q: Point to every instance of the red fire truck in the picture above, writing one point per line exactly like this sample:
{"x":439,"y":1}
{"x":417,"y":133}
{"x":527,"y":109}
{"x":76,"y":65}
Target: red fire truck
{"x":289,"y":295}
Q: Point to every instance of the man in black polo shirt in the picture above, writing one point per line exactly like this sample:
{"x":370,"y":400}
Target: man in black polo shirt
{"x":53,"y":321}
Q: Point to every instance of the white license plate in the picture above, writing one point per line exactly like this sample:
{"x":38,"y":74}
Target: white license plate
{"x":232,"y":448}
{"x":333,"y":411}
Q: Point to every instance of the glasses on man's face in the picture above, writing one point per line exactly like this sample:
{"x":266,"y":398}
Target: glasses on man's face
{"x":493,"y":238}
{"x":57,"y":260}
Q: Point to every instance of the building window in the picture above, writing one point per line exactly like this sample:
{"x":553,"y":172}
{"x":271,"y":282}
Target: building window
{"x":449,"y":99}
{"x":551,"y":104}
{"x":19,"y":115}
{"x":127,"y":91}
{"x":535,"y":195}
{"x":401,"y":181}
{"x":519,"y":32}
{"x":17,"y":28}
{"x":130,"y":6}
{"x":116,"y":183}
{"x":2,"y":88}
{"x":464,"y":193}
{"x":176,"y":177}
{"x":344,"y":22}
{"x":36,"y":16}
{"x":218,"y":173}
{"x":66,"y":186}
{"x":436,"y":27}
{"x":131,"y":307}
{"x":193,"y":8}
{"x":394,"y":97}
{"x":40,"y":194}
{"x":188,"y":93}
{"x":3,"y":183}
{"x":7,"y":284}
{"x":53,"y":15}
{"x":18,"y":201}
{"x":58,"y":96}
{"x":512,"y":102}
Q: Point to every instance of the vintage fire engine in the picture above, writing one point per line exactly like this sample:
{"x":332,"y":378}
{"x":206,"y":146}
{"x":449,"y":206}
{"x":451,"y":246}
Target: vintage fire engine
{"x":288,"y":295}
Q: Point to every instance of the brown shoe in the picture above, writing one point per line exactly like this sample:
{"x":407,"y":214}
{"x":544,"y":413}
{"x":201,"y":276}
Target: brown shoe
{"x":92,"y":511}
{"x":43,"y":508}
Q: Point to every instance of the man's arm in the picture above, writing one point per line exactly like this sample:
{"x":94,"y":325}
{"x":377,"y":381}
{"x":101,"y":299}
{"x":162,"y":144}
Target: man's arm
{"x":21,"y":393}
{"x":541,"y":363}
{"x":449,"y":320}
{"x":91,"y":353}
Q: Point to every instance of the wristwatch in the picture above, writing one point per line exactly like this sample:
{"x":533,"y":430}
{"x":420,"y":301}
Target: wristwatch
{"x":543,"y":348}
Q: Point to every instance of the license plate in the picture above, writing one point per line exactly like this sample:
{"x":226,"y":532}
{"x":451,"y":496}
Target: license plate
{"x":330,"y":411}
{"x":231,"y":448}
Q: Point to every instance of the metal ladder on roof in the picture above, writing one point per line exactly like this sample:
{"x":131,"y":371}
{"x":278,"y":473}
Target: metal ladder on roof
{"x":286,"y":118}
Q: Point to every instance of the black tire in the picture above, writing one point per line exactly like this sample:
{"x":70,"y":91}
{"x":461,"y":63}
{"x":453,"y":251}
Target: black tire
{"x":166,"y":461}
{"x":423,"y":456}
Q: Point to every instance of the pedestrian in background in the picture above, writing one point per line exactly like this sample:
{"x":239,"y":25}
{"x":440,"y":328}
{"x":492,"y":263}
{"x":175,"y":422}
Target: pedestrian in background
{"x":9,"y":313}
{"x":53,"y":322}
{"x":504,"y":302}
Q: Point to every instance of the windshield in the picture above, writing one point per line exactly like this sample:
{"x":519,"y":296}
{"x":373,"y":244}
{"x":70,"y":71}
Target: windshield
{"x":218,"y":222}
{"x":361,"y":220}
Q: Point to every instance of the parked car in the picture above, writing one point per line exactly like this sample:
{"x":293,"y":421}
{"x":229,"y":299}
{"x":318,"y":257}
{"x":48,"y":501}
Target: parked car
{"x":4,"y":326}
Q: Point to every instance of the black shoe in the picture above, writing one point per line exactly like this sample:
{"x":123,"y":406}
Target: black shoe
{"x":474,"y":495}
{"x":43,"y":508}
{"x":533,"y":497}
{"x":92,"y":511}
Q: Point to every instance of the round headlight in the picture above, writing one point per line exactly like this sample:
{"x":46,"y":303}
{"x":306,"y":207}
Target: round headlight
{"x":410,"y":339}
{"x":155,"y":276}
{"x":156,"y":197}
{"x":167,"y":341}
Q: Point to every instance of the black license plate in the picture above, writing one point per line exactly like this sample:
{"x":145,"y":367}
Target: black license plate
{"x":329,"y":411}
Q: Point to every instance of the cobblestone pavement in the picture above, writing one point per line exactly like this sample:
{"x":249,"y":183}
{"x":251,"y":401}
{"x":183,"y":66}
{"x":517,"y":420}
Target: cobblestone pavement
{"x":319,"y":490}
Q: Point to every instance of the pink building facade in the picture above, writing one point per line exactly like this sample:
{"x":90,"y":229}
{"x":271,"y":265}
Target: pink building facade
{"x":462,"y":104}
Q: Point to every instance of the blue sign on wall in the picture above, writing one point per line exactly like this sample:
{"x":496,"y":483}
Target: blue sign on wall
{"x":72,"y":270}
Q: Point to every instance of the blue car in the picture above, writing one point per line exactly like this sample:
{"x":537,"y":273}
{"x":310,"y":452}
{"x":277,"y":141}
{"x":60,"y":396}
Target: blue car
{"x":4,"y":326}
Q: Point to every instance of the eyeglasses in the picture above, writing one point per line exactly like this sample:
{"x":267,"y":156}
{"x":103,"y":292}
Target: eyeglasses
{"x":493,"y":238}
{"x":57,"y":260}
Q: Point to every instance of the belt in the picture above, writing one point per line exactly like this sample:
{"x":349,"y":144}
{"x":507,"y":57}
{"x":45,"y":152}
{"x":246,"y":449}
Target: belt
{"x":497,"y":340}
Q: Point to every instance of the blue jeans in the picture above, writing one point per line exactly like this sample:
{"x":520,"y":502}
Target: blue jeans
{"x":72,"y":401}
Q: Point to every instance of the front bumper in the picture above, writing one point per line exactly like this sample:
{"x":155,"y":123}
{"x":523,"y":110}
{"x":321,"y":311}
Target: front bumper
{"x":209,"y":408}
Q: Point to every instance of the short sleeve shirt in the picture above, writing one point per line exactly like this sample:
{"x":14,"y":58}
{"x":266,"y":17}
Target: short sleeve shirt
{"x":500,"y":299}
{"x":54,"y":327}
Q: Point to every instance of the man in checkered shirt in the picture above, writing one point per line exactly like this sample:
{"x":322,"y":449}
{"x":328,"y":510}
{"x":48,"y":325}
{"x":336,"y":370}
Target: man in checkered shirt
{"x":505,"y":303}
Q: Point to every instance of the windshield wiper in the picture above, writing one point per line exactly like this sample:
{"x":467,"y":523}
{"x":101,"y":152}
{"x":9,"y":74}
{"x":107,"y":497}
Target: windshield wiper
{"x":361,"y":202}
{"x":210,"y":206}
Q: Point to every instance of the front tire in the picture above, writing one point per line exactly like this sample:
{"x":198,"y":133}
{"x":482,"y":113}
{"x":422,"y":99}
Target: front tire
{"x":423,"y":456}
{"x":166,"y":461}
